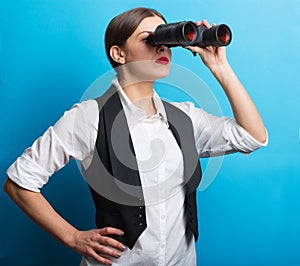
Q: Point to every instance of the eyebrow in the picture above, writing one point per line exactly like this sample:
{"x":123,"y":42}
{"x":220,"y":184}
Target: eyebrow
{"x":145,"y":31}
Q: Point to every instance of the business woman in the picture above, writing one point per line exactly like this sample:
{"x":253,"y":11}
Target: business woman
{"x":161,"y":229}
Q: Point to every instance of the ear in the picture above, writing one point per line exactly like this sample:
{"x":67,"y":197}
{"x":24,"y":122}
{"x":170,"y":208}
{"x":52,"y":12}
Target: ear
{"x":117,"y":54}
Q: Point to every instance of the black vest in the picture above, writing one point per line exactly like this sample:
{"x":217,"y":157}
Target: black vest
{"x":116,"y":187}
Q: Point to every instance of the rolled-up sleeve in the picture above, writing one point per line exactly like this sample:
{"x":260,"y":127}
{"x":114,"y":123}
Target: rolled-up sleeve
{"x":70,"y":137}
{"x":215,"y":136}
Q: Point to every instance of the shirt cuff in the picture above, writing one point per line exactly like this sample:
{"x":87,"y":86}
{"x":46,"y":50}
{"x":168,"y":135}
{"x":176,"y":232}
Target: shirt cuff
{"x":27,"y":174}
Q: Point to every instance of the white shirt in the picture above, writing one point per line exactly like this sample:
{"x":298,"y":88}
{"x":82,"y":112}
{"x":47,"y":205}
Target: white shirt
{"x":160,"y":165}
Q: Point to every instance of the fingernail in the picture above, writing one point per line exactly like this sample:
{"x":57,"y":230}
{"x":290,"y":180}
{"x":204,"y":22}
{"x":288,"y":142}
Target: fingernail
{"x":123,"y":247}
{"x":122,"y":233}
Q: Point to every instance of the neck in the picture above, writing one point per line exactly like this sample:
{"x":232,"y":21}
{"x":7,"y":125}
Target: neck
{"x":140,"y":94}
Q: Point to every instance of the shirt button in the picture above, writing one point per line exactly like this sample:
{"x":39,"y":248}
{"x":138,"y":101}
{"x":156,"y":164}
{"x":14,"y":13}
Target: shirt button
{"x":163,"y":217}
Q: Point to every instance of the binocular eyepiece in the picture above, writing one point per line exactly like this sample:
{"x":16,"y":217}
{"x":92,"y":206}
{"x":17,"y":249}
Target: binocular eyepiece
{"x":187,"y":33}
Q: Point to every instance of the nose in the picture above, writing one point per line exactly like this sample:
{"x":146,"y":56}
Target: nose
{"x":161,"y":48}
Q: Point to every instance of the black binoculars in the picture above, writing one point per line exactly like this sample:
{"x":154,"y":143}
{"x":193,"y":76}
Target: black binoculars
{"x":187,"y":33}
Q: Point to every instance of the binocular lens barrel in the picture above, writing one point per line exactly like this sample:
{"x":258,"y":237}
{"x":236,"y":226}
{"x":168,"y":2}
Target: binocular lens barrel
{"x":188,"y":33}
{"x":174,"y":34}
{"x":223,"y":34}
{"x":219,"y":35}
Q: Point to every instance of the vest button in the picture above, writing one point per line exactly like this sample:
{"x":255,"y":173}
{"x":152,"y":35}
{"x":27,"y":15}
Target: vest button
{"x":141,"y":200}
{"x":141,"y":224}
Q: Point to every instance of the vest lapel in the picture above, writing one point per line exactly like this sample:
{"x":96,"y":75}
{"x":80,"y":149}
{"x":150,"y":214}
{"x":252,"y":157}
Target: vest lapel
{"x":122,"y":155}
{"x":182,"y":129}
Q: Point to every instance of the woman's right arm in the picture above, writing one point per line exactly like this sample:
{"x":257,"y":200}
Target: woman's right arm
{"x":73,"y":136}
{"x":86,"y":243}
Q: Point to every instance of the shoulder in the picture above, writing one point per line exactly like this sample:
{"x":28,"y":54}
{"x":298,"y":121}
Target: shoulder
{"x":199,"y":117}
{"x":184,"y":106}
{"x":188,"y":108}
{"x":88,"y":106}
{"x":79,"y":115}
{"x":85,"y":109}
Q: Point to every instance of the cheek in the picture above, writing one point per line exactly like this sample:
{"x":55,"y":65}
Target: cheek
{"x":140,"y":52}
{"x":146,"y":50}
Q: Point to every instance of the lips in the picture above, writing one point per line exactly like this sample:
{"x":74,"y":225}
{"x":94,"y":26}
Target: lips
{"x":163,"y":60}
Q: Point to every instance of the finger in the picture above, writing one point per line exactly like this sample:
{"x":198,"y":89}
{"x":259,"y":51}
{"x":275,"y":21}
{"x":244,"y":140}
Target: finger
{"x":99,"y":258}
{"x":198,"y":23}
{"x":195,"y":49}
{"x":105,"y":251}
{"x":110,"y":231}
{"x":214,"y":24}
{"x":108,"y":241}
{"x":205,"y":23}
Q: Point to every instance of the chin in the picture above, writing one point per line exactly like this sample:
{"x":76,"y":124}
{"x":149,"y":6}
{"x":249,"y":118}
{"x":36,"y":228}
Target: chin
{"x":140,"y":71}
{"x":161,"y":72}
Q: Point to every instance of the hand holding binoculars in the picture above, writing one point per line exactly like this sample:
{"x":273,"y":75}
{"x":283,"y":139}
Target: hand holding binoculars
{"x":187,"y":33}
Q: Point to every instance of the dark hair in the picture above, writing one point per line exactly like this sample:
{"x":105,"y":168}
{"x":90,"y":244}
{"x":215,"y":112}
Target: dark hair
{"x":122,"y":26}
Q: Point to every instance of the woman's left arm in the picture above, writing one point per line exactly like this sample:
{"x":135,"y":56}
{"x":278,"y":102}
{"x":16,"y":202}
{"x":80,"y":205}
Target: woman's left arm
{"x":244,"y":110}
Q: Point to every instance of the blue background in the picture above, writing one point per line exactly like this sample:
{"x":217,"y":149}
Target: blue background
{"x":51,"y":51}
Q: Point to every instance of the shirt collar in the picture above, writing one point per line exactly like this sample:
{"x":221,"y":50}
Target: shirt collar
{"x":134,"y":113}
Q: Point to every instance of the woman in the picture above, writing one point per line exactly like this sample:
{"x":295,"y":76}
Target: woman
{"x":162,"y":228}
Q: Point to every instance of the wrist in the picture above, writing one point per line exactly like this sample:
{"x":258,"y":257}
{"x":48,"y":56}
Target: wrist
{"x":220,"y":68}
{"x":70,"y":238}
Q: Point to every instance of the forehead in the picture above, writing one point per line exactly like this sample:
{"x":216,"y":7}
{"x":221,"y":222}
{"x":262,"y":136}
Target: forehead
{"x":148,"y":24}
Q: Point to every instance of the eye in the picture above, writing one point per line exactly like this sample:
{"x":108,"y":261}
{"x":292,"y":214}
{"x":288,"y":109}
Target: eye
{"x":148,"y":39}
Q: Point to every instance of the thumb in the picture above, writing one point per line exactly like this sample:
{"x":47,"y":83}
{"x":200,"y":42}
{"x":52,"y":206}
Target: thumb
{"x":195,"y":49}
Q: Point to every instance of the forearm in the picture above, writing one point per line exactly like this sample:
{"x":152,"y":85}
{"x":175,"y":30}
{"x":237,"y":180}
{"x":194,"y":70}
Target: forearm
{"x":244,"y":110}
{"x":41,"y":212}
{"x":88,"y":243}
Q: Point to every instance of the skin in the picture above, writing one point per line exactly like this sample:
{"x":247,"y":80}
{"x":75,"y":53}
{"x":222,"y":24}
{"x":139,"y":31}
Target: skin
{"x":140,"y":92}
{"x":138,"y":68}
{"x":243,"y":108}
{"x":95,"y":243}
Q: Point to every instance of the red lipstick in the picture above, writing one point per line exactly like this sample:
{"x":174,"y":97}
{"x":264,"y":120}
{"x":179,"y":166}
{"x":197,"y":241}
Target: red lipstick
{"x":163,"y":60}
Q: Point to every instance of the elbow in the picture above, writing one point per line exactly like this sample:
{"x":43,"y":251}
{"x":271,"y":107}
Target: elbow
{"x":263,"y":140}
{"x":11,"y":189}
{"x":262,"y":137}
{"x":8,"y":187}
